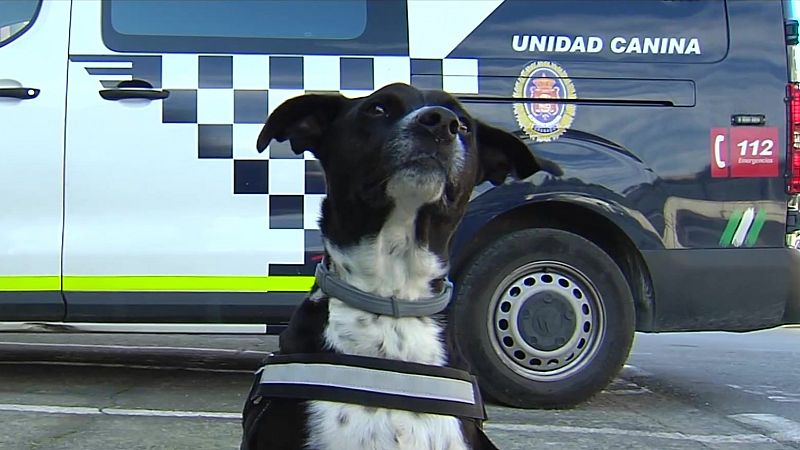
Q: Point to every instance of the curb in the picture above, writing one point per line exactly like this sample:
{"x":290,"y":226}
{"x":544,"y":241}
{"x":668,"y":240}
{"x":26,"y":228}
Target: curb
{"x":161,"y":357}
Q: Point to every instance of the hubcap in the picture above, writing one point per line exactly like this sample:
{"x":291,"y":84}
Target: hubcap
{"x":547,"y":320}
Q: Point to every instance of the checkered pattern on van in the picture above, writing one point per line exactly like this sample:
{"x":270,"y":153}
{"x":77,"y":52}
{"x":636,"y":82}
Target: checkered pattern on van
{"x":228,"y":98}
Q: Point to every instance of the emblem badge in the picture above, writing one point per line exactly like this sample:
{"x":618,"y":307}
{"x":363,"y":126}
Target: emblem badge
{"x":542,"y":121}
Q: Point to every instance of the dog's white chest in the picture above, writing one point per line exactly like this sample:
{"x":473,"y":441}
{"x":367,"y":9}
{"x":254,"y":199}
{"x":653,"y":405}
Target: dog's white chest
{"x":342,"y":426}
{"x":351,"y":427}
{"x":389,"y":265}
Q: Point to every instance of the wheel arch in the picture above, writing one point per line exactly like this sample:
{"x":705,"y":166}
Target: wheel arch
{"x":583,"y":221}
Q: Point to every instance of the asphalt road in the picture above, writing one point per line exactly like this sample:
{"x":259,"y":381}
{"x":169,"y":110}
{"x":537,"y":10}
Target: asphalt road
{"x":687,"y":391}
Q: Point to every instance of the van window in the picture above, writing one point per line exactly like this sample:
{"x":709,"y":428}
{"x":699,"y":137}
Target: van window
{"x":16,"y":16}
{"x":327,"y":19}
{"x":236,"y":26}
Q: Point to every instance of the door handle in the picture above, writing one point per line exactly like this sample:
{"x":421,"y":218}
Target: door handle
{"x":121,"y":94}
{"x":134,"y":89}
{"x":22,"y":93}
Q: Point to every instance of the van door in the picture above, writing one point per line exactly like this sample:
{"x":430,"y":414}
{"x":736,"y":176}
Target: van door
{"x":33,"y":82}
{"x":171,"y":213}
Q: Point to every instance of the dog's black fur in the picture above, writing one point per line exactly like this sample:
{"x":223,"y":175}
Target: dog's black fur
{"x":358,"y":143}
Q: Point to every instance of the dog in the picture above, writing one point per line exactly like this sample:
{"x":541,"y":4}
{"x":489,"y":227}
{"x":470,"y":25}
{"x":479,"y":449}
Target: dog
{"x":400,"y":165}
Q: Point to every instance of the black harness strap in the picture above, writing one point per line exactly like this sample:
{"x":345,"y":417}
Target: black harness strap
{"x":375,"y":382}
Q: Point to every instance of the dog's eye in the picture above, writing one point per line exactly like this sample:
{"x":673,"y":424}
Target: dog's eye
{"x":377,"y":110}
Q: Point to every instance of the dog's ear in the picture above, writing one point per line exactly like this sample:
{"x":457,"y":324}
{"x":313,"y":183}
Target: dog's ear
{"x":302,"y":120}
{"x":501,"y":154}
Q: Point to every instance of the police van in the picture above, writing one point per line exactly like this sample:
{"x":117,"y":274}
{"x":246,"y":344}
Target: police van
{"x":133,"y":198}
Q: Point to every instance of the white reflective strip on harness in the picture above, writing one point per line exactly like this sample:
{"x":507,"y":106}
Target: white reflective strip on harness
{"x":370,"y":380}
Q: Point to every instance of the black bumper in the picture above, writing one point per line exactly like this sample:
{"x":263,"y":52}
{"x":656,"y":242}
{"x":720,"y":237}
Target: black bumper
{"x":738,"y":289}
{"x":792,"y":313}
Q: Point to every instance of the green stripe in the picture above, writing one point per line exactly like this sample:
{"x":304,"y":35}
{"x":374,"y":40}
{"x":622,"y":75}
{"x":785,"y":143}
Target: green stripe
{"x":30,"y":283}
{"x":157,"y":283}
{"x":755,"y":229}
{"x":188,"y":283}
{"x":730,"y":229}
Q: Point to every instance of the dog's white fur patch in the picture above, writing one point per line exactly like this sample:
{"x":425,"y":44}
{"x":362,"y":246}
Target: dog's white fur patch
{"x":390,"y":263}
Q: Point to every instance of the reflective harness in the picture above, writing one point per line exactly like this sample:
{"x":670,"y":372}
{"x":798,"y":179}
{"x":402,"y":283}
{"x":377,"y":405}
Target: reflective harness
{"x":376,"y":382}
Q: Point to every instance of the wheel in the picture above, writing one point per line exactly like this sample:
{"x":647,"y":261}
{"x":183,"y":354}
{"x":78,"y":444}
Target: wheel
{"x":545,"y":318}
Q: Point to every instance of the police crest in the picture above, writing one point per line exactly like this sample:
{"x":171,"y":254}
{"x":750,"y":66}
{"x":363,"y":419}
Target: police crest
{"x":542,"y":121}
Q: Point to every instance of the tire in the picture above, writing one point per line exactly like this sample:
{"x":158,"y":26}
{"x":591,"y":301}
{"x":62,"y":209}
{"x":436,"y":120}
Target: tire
{"x":545,"y":318}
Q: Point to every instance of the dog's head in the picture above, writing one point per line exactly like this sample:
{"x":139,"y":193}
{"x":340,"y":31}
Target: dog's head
{"x":396,"y":147}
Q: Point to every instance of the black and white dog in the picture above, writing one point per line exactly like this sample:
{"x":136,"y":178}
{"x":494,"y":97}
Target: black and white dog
{"x":400,"y":165}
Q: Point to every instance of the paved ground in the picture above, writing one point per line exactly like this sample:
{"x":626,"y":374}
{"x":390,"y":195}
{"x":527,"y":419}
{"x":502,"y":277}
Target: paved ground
{"x":687,"y":391}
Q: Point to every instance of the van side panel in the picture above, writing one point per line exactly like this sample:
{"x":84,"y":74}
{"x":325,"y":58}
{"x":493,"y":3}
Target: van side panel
{"x":633,"y":107}
{"x":642,"y":136}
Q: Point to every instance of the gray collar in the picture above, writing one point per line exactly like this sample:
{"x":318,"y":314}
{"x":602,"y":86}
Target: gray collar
{"x":391,"y":306}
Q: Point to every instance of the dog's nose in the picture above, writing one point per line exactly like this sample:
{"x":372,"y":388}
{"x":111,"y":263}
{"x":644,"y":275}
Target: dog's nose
{"x":441,"y":122}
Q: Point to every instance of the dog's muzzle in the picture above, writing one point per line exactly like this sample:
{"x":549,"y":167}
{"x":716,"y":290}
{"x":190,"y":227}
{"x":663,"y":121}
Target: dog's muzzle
{"x":440,"y":122}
